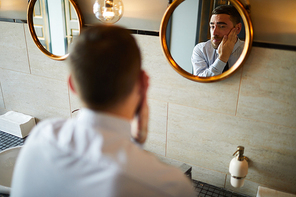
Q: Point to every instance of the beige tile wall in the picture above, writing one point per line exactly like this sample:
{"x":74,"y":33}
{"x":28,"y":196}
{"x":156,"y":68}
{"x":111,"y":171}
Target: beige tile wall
{"x":268,"y":87}
{"x":196,"y":123}
{"x":27,"y":85}
{"x":40,"y":64}
{"x":13,"y":48}
{"x":2,"y":105}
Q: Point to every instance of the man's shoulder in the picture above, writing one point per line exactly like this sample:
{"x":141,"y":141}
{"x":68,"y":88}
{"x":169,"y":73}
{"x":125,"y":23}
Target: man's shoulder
{"x":51,"y":121}
{"x":46,"y":129}
{"x":240,"y":43}
{"x":204,"y":46}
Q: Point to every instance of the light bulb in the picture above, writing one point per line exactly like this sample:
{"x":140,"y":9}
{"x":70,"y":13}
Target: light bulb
{"x":108,"y":11}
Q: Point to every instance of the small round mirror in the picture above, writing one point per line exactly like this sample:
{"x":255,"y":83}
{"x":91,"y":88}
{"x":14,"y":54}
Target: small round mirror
{"x":184,"y":25}
{"x":53,"y":25}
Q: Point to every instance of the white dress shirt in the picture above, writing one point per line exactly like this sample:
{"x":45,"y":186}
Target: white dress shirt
{"x":205,"y":59}
{"x":91,"y":155}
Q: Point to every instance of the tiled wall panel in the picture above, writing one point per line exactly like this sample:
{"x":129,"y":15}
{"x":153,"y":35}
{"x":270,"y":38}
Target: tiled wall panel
{"x":42,"y":65}
{"x":209,"y":139}
{"x":268,"y":88}
{"x":2,"y":105}
{"x":156,"y":140}
{"x":33,"y":95}
{"x":13,"y":48}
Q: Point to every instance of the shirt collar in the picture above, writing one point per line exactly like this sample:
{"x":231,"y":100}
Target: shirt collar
{"x":237,"y":44}
{"x":101,"y":120}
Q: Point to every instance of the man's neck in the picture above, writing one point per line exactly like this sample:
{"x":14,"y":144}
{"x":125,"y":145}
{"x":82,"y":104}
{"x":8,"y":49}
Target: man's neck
{"x":125,"y":110}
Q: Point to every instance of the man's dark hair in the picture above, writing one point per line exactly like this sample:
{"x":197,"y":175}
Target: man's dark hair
{"x":229,"y":10}
{"x":105,"y":62}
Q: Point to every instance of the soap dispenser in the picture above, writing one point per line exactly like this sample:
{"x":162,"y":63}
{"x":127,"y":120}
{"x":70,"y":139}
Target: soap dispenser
{"x":238,"y":168}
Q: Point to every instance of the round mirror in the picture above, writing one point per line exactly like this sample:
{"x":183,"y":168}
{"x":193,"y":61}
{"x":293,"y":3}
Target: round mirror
{"x":53,"y":25}
{"x":185,"y":25}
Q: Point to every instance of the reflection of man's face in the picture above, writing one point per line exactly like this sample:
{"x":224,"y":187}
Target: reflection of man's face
{"x":220,"y":25}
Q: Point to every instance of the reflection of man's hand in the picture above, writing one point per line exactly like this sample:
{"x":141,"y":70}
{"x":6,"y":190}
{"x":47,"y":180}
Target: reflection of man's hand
{"x":226,"y":46}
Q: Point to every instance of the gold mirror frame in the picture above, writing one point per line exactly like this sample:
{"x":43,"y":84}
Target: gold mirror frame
{"x":30,"y":11}
{"x":245,"y":53}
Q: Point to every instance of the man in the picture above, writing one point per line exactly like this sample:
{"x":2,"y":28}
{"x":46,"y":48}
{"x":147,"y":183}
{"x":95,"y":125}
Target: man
{"x":97,"y":153}
{"x":217,"y":55}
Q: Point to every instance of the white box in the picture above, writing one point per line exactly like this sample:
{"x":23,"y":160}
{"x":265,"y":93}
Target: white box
{"x":17,"y":124}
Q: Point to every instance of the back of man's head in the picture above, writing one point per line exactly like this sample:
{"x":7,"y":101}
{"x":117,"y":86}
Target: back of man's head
{"x":229,"y":10}
{"x":105,"y":63}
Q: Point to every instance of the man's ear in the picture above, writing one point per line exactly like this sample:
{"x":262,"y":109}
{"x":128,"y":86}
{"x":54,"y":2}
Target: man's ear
{"x":238,"y":28}
{"x":71,"y":84}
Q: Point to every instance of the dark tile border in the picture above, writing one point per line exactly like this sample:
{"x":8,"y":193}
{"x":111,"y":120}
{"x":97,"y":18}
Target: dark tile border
{"x":12,"y":20}
{"x":143,"y":32}
{"x":274,"y":46}
{"x":135,"y":31}
{"x":156,"y":33}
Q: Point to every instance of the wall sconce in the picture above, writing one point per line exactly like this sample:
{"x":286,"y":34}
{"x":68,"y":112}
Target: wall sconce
{"x":108,"y":11}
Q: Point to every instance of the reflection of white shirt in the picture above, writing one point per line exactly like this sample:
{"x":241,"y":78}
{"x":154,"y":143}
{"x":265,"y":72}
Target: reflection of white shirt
{"x":91,"y":155}
{"x":205,"y":59}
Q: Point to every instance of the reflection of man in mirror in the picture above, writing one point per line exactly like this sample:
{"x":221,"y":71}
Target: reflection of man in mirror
{"x":221,"y":52}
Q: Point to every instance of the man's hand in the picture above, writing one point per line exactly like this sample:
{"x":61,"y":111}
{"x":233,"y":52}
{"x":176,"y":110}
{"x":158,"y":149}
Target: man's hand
{"x":142,"y":119}
{"x":140,"y":135}
{"x":226,"y":46}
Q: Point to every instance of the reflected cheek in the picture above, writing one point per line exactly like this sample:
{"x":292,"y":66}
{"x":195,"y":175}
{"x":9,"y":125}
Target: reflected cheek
{"x":226,"y":32}
{"x":213,"y":34}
